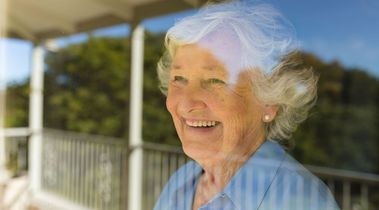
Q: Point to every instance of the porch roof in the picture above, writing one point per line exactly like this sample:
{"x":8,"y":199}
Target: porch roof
{"x":44,"y":19}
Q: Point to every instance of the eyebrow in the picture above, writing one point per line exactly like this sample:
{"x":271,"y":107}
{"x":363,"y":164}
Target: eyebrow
{"x":205,"y":67}
{"x":176,"y":66}
{"x":212,"y":68}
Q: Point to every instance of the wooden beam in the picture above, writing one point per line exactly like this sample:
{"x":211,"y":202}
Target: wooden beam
{"x":165,"y":7}
{"x":118,"y":8}
{"x":18,"y":27}
{"x":58,"y":22}
{"x":3,"y":18}
{"x":195,"y":3}
{"x":99,"y":22}
{"x":159,"y":8}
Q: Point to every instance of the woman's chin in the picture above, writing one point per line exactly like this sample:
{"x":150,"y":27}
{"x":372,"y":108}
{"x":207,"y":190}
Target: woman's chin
{"x":199,"y":152}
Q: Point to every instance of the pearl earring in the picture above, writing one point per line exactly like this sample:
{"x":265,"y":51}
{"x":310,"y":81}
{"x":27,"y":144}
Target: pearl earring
{"x":266,"y":117}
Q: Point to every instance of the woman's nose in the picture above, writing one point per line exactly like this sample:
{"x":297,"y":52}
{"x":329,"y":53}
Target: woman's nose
{"x":193,"y":99}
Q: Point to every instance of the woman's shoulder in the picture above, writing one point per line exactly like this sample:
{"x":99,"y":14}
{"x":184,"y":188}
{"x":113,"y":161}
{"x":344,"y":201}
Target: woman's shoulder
{"x":299,"y":173}
{"x":290,"y":166}
{"x":296,"y":183}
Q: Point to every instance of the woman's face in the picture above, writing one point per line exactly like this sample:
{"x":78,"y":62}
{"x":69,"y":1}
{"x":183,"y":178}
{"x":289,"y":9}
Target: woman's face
{"x":213,"y":119}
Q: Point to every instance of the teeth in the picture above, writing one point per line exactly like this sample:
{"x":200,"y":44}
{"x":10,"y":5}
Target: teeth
{"x":200,"y":123}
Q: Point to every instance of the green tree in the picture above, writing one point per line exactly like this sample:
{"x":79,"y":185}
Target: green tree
{"x":341,"y":131}
{"x":157,"y":123}
{"x":86,"y":87}
{"x":17,"y":102}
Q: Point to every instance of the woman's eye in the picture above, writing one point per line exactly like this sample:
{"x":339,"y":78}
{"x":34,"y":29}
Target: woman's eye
{"x":216,"y":81}
{"x":213,"y":83}
{"x":179,"y":80}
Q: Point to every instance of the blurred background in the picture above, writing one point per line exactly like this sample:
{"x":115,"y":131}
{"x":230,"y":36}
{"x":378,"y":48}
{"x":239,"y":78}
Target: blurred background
{"x":86,"y":112}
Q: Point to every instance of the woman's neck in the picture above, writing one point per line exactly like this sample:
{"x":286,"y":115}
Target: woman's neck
{"x":220,"y":168}
{"x":218,"y":172}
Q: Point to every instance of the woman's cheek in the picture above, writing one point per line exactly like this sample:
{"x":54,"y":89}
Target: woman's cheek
{"x":173,"y":97}
{"x":216,"y":97}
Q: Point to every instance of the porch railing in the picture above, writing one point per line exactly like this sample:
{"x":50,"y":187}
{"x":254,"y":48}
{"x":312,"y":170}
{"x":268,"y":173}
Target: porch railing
{"x":352,"y":190}
{"x":16,"y":147}
{"x":91,"y":171}
{"x":160,"y":161}
{"x":85,"y":169}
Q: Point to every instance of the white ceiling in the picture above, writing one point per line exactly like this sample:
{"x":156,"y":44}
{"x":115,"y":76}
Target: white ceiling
{"x":36,"y":20}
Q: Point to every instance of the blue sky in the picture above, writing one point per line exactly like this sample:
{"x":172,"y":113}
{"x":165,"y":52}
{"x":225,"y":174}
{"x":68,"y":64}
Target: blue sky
{"x":343,"y":30}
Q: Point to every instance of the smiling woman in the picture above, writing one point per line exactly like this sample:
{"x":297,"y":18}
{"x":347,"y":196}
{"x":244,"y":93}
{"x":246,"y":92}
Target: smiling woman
{"x":202,"y":96}
{"x":234,"y":94}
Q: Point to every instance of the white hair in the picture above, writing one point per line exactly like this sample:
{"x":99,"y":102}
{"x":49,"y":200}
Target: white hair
{"x":260,"y":32}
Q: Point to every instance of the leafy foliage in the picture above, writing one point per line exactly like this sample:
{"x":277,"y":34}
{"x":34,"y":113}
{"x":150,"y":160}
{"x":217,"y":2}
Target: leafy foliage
{"x":342,"y":129}
{"x":86,"y":87}
{"x":17,"y":102}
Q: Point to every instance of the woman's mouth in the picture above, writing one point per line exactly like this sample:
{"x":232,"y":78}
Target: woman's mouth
{"x":201,"y":123}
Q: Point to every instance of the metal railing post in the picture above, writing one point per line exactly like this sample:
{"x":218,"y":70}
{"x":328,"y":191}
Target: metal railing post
{"x":135,"y":121}
{"x":346,"y":193}
{"x":364,"y":196}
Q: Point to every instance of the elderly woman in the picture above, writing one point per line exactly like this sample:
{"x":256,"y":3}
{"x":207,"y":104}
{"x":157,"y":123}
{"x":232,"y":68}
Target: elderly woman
{"x":234,"y":96}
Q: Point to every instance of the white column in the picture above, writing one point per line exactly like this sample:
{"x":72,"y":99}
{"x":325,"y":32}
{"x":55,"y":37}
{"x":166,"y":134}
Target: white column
{"x":35,"y":118}
{"x":135,"y":121}
{"x":4,"y":175}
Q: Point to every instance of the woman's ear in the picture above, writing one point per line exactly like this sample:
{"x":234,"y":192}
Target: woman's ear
{"x":269,"y":112}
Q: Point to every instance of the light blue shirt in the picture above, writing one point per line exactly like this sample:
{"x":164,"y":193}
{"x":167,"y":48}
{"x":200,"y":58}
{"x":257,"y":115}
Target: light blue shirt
{"x":269,"y":180}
